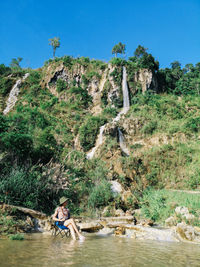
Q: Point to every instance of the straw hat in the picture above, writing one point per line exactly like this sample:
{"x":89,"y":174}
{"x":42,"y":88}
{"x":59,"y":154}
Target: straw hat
{"x":63,"y":200}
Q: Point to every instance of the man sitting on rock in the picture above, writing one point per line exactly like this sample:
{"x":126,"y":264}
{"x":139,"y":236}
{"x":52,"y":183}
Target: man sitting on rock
{"x":62,"y":217}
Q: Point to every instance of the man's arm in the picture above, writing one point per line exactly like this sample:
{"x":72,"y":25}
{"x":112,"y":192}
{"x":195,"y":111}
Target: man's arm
{"x":54,"y":216}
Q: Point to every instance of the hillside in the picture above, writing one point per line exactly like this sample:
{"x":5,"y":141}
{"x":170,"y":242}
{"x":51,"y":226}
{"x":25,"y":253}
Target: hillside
{"x":47,"y":134}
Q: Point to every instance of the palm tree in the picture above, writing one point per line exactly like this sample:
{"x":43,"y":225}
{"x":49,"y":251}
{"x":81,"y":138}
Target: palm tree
{"x":55,"y":42}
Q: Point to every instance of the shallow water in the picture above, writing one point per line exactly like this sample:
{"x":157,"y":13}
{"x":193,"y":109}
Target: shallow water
{"x":40,"y":250}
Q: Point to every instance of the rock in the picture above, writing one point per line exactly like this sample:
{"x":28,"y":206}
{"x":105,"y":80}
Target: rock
{"x":43,"y":225}
{"x":171,"y":221}
{"x":197,"y":230}
{"x":30,"y":212}
{"x":106,"y":231}
{"x":150,"y":233}
{"x":117,"y":220}
{"x":147,"y":80}
{"x":189,"y":217}
{"x":29,"y":221}
{"x":119,"y":213}
{"x":106,"y":211}
{"x":136,"y":212}
{"x":184,"y":213}
{"x":116,"y":187}
{"x":146,"y":222}
{"x":181,"y":211}
{"x":185,"y":232}
{"x":120,"y":230}
{"x":129,"y":213}
{"x":90,"y":226}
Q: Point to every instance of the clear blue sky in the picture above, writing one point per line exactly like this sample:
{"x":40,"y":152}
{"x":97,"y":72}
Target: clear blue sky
{"x":169,"y":28}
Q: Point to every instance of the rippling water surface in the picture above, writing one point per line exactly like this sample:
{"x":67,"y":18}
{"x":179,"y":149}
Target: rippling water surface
{"x":40,"y":250}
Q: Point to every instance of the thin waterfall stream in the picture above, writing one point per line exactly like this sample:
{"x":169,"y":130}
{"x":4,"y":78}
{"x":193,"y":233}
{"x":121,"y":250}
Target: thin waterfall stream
{"x":126,"y":106}
{"x":12,"y":99}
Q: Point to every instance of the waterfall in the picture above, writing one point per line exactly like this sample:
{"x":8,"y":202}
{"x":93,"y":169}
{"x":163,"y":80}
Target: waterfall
{"x":122,"y":143}
{"x":98,"y":142}
{"x":126,"y":102}
{"x":12,"y":99}
{"x":126,"y":106}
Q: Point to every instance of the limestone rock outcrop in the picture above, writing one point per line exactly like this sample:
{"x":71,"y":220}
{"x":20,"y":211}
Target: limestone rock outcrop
{"x":147,"y":80}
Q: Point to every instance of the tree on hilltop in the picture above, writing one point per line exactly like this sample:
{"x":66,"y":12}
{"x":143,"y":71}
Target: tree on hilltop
{"x":55,"y":43}
{"x":140,"y":51}
{"x":15,"y":63}
{"x":119,"y":49}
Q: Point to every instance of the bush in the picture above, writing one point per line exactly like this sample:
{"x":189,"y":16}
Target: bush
{"x":193,"y":124}
{"x":28,"y":188}
{"x":4,"y":71}
{"x":92,"y":74}
{"x":110,"y":111}
{"x":153,"y":205}
{"x":89,"y":131}
{"x":17,"y":237}
{"x":60,"y":85}
{"x":149,"y":128}
{"x":19,"y":144}
{"x":100,"y":196}
{"x":6,"y":85}
{"x":118,"y":61}
{"x":68,"y":61}
{"x":81,"y":97}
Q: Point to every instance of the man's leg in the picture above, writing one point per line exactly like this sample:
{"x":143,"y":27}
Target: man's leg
{"x":72,"y":231}
{"x":71,"y":222}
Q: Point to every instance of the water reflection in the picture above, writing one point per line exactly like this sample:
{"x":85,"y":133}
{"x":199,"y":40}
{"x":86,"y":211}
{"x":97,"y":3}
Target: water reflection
{"x":38,"y":250}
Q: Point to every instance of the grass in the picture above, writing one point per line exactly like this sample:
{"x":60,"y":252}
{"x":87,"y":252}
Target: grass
{"x":17,"y":237}
{"x":158,"y":205}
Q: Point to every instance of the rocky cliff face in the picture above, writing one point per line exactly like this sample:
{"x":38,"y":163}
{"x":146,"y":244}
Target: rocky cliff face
{"x":147,"y":80}
{"x":104,"y":89}
{"x":97,"y":81}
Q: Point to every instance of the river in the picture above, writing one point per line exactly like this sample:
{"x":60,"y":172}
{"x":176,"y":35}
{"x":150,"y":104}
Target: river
{"x":47,"y":251}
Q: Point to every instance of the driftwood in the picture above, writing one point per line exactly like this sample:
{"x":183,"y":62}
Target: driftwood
{"x":32,"y":213}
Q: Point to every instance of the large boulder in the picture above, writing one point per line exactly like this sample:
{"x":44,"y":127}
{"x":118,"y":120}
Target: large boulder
{"x":183,"y":212}
{"x":187,"y":232}
{"x":92,"y":226}
{"x":171,"y":221}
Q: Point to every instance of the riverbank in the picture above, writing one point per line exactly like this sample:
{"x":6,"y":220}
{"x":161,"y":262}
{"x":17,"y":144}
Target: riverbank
{"x":177,"y":228}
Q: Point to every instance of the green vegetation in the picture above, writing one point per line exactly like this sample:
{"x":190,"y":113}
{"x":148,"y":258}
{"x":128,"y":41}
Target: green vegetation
{"x":17,"y":237}
{"x":119,"y":49}
{"x":44,"y":139}
{"x":15,"y":63}
{"x":158,"y":205}
{"x":89,"y":131}
{"x":55,"y":43}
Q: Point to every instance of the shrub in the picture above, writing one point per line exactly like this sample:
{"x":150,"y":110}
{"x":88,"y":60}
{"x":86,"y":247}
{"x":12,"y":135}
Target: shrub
{"x":89,"y":131}
{"x":6,"y":85}
{"x":81,"y":96}
{"x":33,"y":78}
{"x":100,"y":196}
{"x":68,"y":61}
{"x":20,"y":144}
{"x":110,"y":112}
{"x":92,"y":74}
{"x":60,"y":85}
{"x":118,"y":61}
{"x":17,"y":237}
{"x":4,"y":71}
{"x":27,"y":187}
{"x":149,"y":128}
{"x":193,"y":124}
{"x":153,"y":204}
